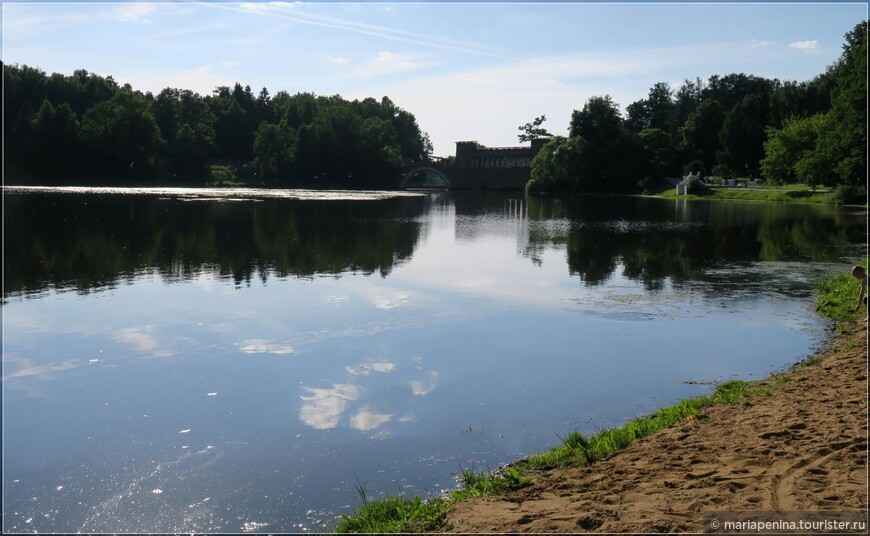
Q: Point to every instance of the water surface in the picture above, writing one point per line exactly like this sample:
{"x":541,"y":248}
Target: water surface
{"x":180,"y":361}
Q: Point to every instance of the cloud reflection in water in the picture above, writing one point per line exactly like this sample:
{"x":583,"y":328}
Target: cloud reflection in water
{"x":323,"y":407}
{"x":366,"y":420}
{"x":260,"y":346}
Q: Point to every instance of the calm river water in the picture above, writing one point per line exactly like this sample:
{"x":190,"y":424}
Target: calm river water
{"x":180,"y":361}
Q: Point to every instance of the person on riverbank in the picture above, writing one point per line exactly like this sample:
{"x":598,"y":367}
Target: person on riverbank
{"x":860,"y":274}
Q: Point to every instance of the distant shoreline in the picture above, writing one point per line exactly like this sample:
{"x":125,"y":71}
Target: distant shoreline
{"x":771,"y":194}
{"x":206,"y":193}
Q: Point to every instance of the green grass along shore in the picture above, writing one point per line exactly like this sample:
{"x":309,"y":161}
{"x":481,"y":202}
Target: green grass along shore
{"x":836,"y":301}
{"x":792,"y":193}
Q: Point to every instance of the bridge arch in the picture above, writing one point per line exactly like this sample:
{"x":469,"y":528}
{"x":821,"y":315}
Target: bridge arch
{"x":425,"y":177}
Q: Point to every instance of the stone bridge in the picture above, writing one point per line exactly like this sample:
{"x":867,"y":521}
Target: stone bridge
{"x":475,"y":167}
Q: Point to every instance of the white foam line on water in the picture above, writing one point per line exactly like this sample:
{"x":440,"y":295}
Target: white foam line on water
{"x":233,"y":194}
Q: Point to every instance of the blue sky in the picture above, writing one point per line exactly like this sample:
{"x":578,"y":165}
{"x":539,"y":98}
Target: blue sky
{"x":467,"y":71}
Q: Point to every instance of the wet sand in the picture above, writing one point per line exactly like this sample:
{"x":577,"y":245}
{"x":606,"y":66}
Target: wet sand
{"x":801,"y":446}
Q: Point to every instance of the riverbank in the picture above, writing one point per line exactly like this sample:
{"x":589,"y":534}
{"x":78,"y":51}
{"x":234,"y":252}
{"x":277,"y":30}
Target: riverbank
{"x":795,"y":193}
{"x":797,"y":441}
{"x":799,"y":444}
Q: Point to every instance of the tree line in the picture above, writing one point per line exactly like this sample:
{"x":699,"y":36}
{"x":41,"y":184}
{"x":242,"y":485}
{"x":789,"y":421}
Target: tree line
{"x":86,"y":128}
{"x":813,"y":132}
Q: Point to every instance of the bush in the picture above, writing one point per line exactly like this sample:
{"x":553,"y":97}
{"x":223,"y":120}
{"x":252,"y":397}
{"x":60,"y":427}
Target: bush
{"x":852,"y":195}
{"x":648,"y":184}
{"x":696,"y":185}
{"x":695,"y":166}
{"x":721,"y":170}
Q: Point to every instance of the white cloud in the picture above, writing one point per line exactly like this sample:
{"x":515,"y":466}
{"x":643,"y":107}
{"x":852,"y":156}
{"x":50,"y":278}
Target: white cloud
{"x":339,"y":60}
{"x":759,"y":43}
{"x":805,"y":45}
{"x":134,"y":12}
{"x":309,"y":17}
{"x":389,"y":63}
{"x":265,"y":7}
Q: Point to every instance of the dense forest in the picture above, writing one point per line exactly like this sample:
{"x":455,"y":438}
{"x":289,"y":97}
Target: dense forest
{"x":739,"y":125}
{"x":86,"y":128}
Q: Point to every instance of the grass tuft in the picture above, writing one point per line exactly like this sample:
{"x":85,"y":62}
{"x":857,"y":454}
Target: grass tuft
{"x":577,"y":449}
{"x":481,"y":483}
{"x":838,"y":295}
{"x":394,"y":515}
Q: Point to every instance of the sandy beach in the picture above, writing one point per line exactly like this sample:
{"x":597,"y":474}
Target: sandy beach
{"x":800,"y":445}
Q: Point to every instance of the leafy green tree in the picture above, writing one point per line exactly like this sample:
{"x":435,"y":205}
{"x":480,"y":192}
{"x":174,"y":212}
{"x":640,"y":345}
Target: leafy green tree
{"x":790,"y":152}
{"x":610,"y":158}
{"x":195,"y":112}
{"x":599,"y":121}
{"x":534,"y":130}
{"x":656,"y":111}
{"x":687,"y":99}
{"x":166,"y":108}
{"x":263,"y":107}
{"x":743,"y":134}
{"x":555,"y":166}
{"x":23,"y":93}
{"x":300,"y":109}
{"x":803,"y":99}
{"x":274,"y":148}
{"x":414,"y":144}
{"x":733,"y":88}
{"x":234,"y":127}
{"x":660,"y":151}
{"x":846,"y":140}
{"x":81,"y":91}
{"x":181,"y":112}
{"x":190,"y":162}
{"x":121,"y":137}
{"x":700,"y":133}
{"x":380,"y":155}
{"x":55,"y":138}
